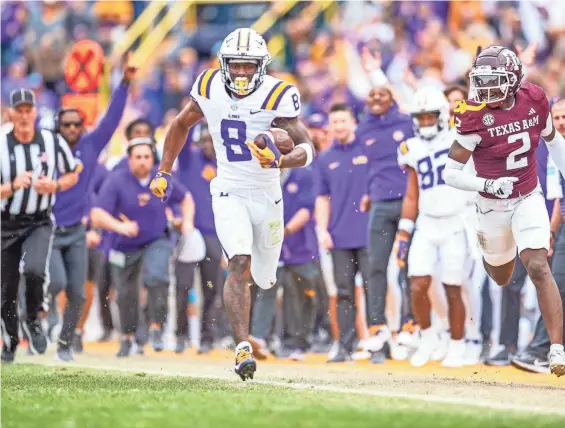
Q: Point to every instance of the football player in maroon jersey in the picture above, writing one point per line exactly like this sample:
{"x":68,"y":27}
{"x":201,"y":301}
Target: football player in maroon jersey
{"x":501,"y":129}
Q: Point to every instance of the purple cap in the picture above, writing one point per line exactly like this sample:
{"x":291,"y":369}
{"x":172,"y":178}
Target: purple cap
{"x":316,"y":120}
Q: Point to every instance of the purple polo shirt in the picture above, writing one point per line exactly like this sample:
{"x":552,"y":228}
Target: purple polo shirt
{"x":71,"y":204}
{"x":381,"y":136}
{"x":343,"y":173}
{"x":299,"y":192}
{"x":195,"y":172}
{"x":122,"y":193}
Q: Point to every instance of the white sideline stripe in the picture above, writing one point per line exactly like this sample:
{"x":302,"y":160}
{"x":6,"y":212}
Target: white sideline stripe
{"x":466,"y":401}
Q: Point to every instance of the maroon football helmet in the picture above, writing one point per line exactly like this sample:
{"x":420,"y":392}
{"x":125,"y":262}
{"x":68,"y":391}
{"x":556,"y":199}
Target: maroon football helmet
{"x":496,"y":75}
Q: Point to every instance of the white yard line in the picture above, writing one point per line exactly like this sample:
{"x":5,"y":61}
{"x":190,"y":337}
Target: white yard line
{"x":466,"y":401}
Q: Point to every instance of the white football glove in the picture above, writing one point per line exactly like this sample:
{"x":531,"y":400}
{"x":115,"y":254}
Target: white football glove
{"x":501,"y":187}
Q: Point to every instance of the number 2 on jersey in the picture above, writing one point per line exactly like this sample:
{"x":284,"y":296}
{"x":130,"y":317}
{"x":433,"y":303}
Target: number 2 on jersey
{"x":234,"y":135}
{"x":511,"y":162}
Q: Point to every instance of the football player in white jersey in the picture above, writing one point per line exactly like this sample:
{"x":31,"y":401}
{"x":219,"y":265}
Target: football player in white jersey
{"x":240,"y":101}
{"x":439,"y":242}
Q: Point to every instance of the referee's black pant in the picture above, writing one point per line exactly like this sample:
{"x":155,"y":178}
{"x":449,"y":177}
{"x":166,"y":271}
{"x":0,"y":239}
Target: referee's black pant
{"x":26,"y":243}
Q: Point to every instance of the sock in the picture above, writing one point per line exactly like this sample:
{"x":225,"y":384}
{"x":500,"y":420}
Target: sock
{"x":555,"y":347}
{"x":194,"y":327}
{"x":428,"y":333}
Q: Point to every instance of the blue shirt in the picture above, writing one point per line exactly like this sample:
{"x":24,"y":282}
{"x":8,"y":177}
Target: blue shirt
{"x":73,"y":203}
{"x":123,"y":194}
{"x":381,"y":136}
{"x":298,"y":193}
{"x":343,"y":177}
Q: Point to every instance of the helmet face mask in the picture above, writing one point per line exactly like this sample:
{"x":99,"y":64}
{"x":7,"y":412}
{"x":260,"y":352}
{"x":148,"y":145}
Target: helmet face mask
{"x":239,"y":50}
{"x":496,"y":75}
{"x":430,"y":113}
{"x":491,"y":86}
{"x":427,"y":123}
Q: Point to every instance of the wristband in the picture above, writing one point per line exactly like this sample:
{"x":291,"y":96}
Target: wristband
{"x":406,"y":224}
{"x":309,"y":152}
{"x":12,"y":187}
{"x":58,"y":188}
{"x":287,"y":231}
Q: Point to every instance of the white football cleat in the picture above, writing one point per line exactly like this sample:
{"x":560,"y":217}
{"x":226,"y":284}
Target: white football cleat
{"x":380,"y":335}
{"x":473,"y":351}
{"x":455,"y":354}
{"x":334,"y":349}
{"x":443,"y":345}
{"x":245,"y":364}
{"x":557,"y":360}
{"x":428,"y":343}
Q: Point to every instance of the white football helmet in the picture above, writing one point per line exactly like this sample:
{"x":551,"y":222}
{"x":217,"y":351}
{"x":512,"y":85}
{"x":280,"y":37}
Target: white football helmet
{"x":244,"y":45}
{"x":430,"y":100}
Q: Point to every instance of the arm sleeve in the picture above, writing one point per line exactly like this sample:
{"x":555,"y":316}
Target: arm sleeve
{"x":468,"y":141}
{"x":111,"y":119}
{"x":290,"y":105}
{"x":548,"y":126}
{"x":65,"y":160}
{"x":455,"y":176}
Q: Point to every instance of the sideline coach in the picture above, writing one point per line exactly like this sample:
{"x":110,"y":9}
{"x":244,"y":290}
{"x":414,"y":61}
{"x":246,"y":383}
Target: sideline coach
{"x":28,"y":169}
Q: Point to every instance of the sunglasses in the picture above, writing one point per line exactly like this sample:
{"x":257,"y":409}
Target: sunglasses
{"x":69,"y":124}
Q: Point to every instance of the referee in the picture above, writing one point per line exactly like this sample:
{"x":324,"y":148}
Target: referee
{"x":29,"y":165}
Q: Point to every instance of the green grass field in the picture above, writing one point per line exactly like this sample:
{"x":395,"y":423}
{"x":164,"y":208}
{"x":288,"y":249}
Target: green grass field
{"x":39,"y":396}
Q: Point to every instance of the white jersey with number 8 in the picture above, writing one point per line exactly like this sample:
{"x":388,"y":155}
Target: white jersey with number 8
{"x":234,"y":121}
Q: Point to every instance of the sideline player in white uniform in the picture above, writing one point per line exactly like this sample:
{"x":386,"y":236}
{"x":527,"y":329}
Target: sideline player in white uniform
{"x":440,"y":239}
{"x":240,"y":101}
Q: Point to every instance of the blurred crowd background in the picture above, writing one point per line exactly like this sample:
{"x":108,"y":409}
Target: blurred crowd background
{"x":315,"y":45}
{"x":320,"y":47}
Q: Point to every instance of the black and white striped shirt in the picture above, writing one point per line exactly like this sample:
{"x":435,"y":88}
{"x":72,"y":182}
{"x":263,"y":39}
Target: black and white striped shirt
{"x":45,"y":155}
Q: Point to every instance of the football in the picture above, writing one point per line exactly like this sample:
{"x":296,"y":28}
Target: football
{"x":282,"y":140}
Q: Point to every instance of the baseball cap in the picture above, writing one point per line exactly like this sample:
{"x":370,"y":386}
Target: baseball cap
{"x":21,"y":96}
{"x":316,"y":120}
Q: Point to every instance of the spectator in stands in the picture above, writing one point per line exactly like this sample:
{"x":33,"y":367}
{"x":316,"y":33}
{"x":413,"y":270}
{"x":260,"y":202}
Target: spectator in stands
{"x":342,"y":226}
{"x":142,"y":248}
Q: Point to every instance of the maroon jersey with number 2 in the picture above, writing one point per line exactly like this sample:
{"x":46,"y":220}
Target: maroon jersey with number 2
{"x":504,"y":142}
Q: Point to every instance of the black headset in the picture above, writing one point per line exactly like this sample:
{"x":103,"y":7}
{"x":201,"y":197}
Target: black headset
{"x":153,"y":149}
